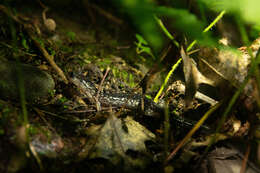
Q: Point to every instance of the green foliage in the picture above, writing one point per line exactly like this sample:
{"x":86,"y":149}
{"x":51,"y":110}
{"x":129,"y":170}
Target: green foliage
{"x":142,"y":46}
{"x":143,"y":15}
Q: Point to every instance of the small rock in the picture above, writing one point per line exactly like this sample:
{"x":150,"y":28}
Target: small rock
{"x":37,"y":84}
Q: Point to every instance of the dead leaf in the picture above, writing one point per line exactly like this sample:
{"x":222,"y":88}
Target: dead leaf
{"x":112,"y":140}
{"x":193,"y":78}
{"x":227,"y":65}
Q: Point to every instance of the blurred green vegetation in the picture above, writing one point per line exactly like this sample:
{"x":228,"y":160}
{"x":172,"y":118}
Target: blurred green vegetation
{"x":143,"y":13}
{"x":186,"y":18}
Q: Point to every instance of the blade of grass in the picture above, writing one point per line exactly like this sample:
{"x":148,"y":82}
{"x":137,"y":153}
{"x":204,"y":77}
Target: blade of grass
{"x":167,"y":33}
{"x":208,"y":28}
{"x":156,"y":99}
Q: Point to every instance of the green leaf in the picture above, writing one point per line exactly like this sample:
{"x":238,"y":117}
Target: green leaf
{"x":142,"y":46}
{"x":140,"y":39}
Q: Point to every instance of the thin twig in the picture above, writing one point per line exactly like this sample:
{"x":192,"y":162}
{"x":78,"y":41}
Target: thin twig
{"x":49,"y":58}
{"x":98,"y":105}
{"x":102,"y":81}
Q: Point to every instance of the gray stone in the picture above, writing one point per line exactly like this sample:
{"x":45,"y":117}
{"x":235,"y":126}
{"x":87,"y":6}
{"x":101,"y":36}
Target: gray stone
{"x":13,"y":76}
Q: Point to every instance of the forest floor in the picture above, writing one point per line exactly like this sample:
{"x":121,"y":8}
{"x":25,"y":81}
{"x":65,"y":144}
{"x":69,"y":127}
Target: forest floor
{"x":112,"y":126}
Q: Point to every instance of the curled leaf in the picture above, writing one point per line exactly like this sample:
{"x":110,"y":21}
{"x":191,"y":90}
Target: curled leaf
{"x":193,"y":78}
